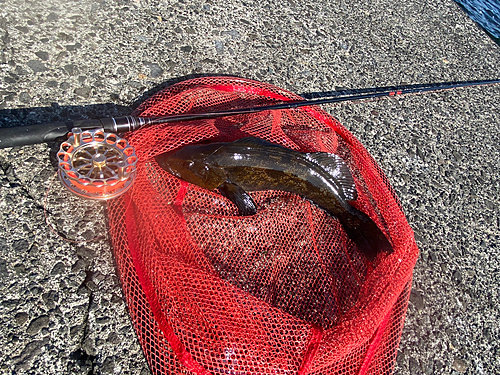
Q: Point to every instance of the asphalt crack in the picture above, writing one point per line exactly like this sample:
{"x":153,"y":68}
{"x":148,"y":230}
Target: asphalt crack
{"x":15,"y":182}
{"x":83,"y":361}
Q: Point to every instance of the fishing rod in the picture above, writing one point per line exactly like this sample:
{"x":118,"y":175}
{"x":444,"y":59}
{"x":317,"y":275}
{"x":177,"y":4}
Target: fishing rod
{"x":94,"y":162}
{"x":32,"y":134}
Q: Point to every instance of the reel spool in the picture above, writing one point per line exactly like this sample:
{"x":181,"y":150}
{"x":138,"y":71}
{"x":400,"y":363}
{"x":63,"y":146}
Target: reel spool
{"x":95,"y":164}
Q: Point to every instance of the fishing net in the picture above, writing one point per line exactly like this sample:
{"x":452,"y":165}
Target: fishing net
{"x":282,"y":292}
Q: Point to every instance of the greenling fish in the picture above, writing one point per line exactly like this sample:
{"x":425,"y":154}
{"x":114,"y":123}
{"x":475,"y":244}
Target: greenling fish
{"x":252,"y":164}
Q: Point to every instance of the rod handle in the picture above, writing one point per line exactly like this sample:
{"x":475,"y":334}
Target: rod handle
{"x":32,"y":134}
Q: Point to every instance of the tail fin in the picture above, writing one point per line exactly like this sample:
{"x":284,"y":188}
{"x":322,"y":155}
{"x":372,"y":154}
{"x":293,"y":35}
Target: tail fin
{"x":365,"y":234}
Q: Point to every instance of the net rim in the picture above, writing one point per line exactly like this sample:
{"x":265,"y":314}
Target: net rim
{"x":399,"y":272}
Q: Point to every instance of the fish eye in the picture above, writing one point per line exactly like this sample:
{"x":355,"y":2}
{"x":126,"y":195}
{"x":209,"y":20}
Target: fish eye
{"x":188,"y":164}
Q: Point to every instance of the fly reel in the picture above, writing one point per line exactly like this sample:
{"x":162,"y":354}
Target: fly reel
{"x":95,"y":164}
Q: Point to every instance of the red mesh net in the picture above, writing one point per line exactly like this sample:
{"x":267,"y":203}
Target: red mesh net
{"x":282,"y":292}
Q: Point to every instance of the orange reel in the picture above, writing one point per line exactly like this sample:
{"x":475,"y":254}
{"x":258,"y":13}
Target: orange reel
{"x":95,"y":164}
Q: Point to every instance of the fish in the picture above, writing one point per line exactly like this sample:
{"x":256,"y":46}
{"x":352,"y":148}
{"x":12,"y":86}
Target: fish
{"x":253,"y":164}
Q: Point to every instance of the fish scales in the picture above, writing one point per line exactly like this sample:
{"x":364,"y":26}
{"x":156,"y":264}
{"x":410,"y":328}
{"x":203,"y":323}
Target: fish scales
{"x":253,"y":164}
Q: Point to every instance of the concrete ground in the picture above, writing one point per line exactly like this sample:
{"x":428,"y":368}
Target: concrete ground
{"x":61,"y":307}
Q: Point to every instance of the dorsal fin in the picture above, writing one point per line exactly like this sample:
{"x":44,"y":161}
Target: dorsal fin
{"x":338,"y":169}
{"x":252,"y":141}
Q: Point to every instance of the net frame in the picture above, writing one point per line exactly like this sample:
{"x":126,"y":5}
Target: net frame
{"x":194,"y":316}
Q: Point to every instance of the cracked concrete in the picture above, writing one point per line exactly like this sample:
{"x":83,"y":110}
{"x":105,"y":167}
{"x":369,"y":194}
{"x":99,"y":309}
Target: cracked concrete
{"x":61,"y":306}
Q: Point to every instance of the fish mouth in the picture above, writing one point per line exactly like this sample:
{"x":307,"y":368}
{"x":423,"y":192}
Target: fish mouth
{"x":173,"y":172}
{"x":167,"y":168}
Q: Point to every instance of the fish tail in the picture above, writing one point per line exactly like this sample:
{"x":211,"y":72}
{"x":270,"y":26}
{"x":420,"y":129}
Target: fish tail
{"x":367,"y":236}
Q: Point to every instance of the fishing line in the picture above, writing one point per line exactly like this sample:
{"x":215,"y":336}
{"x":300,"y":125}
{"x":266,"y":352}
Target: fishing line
{"x":57,"y":232}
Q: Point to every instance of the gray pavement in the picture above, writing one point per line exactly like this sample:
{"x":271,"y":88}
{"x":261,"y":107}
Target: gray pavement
{"x":61,"y":307}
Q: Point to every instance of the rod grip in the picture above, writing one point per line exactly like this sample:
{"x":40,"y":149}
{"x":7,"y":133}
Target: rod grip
{"x":32,"y":134}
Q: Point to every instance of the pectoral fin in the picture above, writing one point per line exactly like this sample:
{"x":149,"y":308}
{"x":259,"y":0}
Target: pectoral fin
{"x":242,"y":200}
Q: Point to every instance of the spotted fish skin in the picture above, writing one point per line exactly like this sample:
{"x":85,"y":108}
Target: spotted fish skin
{"x":253,"y":164}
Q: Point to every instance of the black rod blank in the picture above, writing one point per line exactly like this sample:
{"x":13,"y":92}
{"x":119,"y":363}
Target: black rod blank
{"x":372,"y":94}
{"x":26,"y":135}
